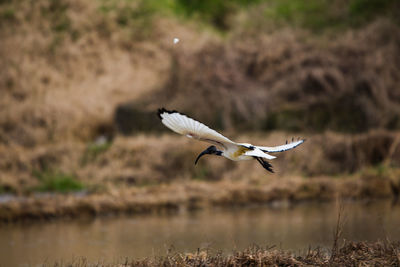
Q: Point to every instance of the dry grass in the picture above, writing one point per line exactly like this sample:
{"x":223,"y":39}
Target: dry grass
{"x":66,"y":67}
{"x":289,"y":80}
{"x":349,"y":254}
{"x":145,"y":160}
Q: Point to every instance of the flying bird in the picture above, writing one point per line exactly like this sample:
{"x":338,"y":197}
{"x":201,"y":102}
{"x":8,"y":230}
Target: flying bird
{"x":222,"y":146}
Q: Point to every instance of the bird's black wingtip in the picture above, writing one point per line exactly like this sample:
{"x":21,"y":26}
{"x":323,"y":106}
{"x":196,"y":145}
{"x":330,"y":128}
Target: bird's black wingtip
{"x":163,"y":110}
{"x":298,"y":139}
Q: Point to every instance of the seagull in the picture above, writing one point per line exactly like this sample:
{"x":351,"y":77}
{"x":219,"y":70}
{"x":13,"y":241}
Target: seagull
{"x":182,"y":124}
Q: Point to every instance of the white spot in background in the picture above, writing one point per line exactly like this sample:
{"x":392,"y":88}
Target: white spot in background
{"x":176,"y":40}
{"x":101,"y":140}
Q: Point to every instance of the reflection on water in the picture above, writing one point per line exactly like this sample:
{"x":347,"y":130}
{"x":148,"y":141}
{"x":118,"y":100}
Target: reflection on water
{"x":111,"y":239}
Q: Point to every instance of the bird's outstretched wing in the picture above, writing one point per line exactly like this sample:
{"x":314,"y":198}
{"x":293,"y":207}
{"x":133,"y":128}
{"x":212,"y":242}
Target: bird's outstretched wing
{"x":182,"y":124}
{"x":281,"y":148}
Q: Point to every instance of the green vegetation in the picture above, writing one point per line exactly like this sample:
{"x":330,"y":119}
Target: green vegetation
{"x":56,"y":181}
{"x":382,"y":169}
{"x":136,"y":17}
{"x":6,"y":189}
{"x":139,"y":12}
{"x":365,"y":10}
{"x":93,"y":150}
{"x":60,"y":23}
{"x":56,"y":12}
{"x":7,"y":14}
{"x":2,"y":190}
{"x":378,"y":170}
{"x":214,"y":12}
{"x":320,"y":14}
{"x":312,"y":14}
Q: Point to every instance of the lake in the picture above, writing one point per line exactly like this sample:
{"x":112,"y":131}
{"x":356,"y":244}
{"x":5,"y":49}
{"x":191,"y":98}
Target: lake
{"x":293,"y":227}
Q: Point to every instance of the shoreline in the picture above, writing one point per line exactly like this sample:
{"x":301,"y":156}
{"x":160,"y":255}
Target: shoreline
{"x":191,"y":195}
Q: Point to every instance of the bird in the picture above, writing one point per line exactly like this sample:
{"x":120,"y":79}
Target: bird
{"x":221,"y":145}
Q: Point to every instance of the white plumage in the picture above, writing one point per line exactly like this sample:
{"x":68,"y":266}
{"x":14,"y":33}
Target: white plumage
{"x":184,"y":125}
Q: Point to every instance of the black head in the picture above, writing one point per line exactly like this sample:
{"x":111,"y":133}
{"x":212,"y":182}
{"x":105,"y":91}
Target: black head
{"x":212,"y":150}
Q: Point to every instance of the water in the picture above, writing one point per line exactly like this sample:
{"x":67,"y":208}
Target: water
{"x":112,"y":239}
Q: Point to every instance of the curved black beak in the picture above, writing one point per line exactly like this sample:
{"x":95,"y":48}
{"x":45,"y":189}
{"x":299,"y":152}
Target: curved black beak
{"x":200,"y":155}
{"x":209,"y":150}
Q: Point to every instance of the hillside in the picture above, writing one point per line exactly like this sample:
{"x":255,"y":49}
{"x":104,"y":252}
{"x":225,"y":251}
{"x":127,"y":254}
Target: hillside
{"x":81,"y":81}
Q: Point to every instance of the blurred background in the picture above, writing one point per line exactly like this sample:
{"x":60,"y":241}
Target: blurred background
{"x":81,"y":81}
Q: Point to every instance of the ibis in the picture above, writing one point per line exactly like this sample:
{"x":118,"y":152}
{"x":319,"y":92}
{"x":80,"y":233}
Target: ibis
{"x":221,"y":146}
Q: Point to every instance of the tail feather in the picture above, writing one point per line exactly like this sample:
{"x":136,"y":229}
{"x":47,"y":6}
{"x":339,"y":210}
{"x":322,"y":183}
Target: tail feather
{"x":281,"y":148}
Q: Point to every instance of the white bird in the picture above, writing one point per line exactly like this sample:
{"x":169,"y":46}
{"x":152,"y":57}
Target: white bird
{"x":184,"y":125}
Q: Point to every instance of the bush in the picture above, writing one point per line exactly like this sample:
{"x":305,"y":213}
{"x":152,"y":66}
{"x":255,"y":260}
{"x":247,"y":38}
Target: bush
{"x":56,"y":181}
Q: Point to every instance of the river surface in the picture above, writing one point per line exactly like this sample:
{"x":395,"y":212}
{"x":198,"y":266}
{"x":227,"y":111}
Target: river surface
{"x":115,"y":238}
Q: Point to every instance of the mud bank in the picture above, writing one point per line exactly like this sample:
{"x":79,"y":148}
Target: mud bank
{"x":189,"y":195}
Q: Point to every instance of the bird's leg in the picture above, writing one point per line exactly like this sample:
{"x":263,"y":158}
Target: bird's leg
{"x":266,"y":165}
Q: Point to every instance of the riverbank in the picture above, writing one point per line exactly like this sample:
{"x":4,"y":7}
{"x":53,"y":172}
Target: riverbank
{"x":193,"y":194}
